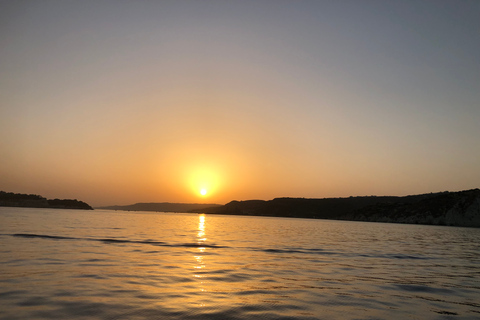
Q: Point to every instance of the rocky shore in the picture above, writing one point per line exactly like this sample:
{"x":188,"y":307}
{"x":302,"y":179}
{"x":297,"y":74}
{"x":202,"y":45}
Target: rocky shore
{"x":445,"y":208}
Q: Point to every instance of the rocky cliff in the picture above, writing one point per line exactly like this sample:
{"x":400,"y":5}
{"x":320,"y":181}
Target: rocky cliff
{"x":446,"y":208}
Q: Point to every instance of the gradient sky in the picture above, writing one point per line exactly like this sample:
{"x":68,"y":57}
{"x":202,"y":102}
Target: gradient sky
{"x":117,"y":102}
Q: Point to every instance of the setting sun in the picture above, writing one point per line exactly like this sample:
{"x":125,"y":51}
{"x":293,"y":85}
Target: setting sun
{"x":203,"y":180}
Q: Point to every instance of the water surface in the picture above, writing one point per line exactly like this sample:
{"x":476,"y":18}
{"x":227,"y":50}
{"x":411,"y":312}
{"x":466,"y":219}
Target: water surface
{"x":58,"y":264}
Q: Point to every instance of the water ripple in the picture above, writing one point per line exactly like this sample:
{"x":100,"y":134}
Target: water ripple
{"x":111,"y":240}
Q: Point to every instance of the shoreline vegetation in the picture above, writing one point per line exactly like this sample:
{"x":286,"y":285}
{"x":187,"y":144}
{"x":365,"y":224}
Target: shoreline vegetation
{"x":461,"y":209}
{"x":10,"y":199}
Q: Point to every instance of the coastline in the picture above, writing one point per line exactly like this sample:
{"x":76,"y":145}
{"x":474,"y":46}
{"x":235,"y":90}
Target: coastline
{"x":460,"y":208}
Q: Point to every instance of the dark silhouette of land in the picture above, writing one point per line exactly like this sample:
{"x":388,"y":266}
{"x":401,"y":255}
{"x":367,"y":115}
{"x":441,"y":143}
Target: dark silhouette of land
{"x":162,"y":207}
{"x":10,"y":199}
{"x":460,"y":208}
{"x":445,"y":208}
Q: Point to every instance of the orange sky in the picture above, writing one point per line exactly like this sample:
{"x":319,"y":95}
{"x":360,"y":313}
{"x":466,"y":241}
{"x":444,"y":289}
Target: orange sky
{"x":124,"y":102}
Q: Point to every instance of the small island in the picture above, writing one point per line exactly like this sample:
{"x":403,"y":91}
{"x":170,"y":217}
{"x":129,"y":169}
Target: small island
{"x":10,"y":199}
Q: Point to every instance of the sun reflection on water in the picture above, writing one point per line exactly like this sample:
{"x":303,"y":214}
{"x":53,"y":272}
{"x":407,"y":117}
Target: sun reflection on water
{"x":200,"y":263}
{"x":201,"y":229}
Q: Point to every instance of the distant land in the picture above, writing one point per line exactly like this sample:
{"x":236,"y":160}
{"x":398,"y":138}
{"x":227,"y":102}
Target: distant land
{"x":460,"y":208}
{"x":162,"y":207}
{"x":445,"y":208}
{"x":10,"y":199}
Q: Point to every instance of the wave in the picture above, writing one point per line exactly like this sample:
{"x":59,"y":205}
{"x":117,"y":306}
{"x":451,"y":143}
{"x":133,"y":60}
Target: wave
{"x":113,"y":241}
{"x":317,"y":251}
{"x":307,"y":251}
{"x":297,"y":250}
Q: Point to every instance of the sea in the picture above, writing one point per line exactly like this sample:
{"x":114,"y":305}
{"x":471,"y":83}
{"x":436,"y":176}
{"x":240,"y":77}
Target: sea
{"x":101,"y":264}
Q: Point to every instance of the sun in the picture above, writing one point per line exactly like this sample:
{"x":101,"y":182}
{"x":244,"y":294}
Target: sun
{"x":203,"y":181}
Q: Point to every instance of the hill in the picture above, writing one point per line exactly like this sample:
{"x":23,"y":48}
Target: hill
{"x":446,"y":208}
{"x":162,"y":207}
{"x":10,"y":199}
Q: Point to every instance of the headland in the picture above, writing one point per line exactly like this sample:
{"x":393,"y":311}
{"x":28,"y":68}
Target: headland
{"x":10,"y":199}
{"x":444,"y":208}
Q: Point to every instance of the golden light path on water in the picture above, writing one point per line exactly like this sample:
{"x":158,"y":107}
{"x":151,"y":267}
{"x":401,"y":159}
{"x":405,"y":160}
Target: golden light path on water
{"x":199,"y":256}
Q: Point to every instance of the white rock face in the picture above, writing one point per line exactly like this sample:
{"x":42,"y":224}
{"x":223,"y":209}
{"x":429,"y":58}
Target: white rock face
{"x":469,"y":217}
{"x":473,"y":213}
{"x":460,"y":209}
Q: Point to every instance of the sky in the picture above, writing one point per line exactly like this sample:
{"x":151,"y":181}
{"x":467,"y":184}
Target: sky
{"x":118,"y":102}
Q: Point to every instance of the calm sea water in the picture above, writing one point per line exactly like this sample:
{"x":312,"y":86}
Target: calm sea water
{"x":69,"y":264}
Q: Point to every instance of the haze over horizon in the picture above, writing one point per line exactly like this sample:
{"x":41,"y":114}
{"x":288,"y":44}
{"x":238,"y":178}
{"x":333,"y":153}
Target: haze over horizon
{"x":119,"y":102}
